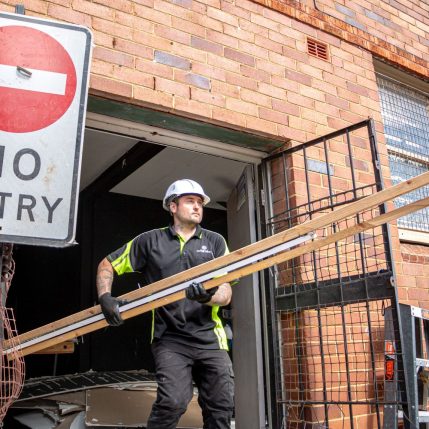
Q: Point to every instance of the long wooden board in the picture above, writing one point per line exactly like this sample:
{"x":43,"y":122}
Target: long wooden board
{"x":31,"y":337}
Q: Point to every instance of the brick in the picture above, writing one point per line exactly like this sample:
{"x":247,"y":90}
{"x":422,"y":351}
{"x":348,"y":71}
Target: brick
{"x":285,"y":107}
{"x":150,"y":40}
{"x":239,"y":56}
{"x":253,"y":50}
{"x":293,"y":53}
{"x":277,"y":17}
{"x":241,"y":106}
{"x":198,"y":81}
{"x":222,"y":39}
{"x":171,"y":60}
{"x":255,"y":97}
{"x":169,"y":8}
{"x":292,"y":134}
{"x":209,"y":71}
{"x":261,"y":125}
{"x":110,"y":86}
{"x":132,"y":48}
{"x":327,"y":109}
{"x":122,"y":5}
{"x":223,"y":88}
{"x":314,"y":116}
{"x":253,"y":73}
{"x":68,"y":14}
{"x":287,"y":84}
{"x":134,"y":76}
{"x":312,"y":93}
{"x":351,"y":117}
{"x":302,"y":124}
{"x":171,"y":87}
{"x":264,"y":22}
{"x":337,"y":124}
{"x":284,"y":39}
{"x":189,"y":53}
{"x":238,"y":33}
{"x":269,"y":44}
{"x":229,"y":117}
{"x":348,"y":95}
{"x":93,"y":9}
{"x":205,"y":45}
{"x":241,"y":81}
{"x":300,"y":100}
{"x":273,"y":116}
{"x":207,"y":22}
{"x":134,"y":21}
{"x":303,"y":28}
{"x":223,"y":63}
{"x":232,"y":9}
{"x":152,"y":15}
{"x":269,"y":67}
{"x":299,"y":77}
{"x":153,"y":98}
{"x":336,"y":101}
{"x":253,"y":28}
{"x":191,"y":106}
{"x":251,"y":6}
{"x":188,"y":26}
{"x":148,"y":3}
{"x":113,"y":56}
{"x":311,"y":71}
{"x":183,"y":3}
{"x":208,"y":97}
{"x":154,"y":69}
{"x":173,"y":34}
{"x":271,"y":90}
{"x":101,"y":68}
{"x":222,"y":16}
{"x":111,"y":28}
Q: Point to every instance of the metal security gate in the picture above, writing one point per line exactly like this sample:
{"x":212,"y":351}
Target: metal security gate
{"x":326,"y":309}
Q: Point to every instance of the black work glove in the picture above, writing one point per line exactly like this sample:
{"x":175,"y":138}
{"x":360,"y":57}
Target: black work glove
{"x":196,"y":292}
{"x":110,"y":307}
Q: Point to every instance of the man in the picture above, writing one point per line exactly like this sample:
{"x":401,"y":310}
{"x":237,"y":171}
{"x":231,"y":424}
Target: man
{"x":188,"y":339}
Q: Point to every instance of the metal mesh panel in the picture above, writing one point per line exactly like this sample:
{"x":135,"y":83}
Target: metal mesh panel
{"x":405,"y":113}
{"x":329,"y":344}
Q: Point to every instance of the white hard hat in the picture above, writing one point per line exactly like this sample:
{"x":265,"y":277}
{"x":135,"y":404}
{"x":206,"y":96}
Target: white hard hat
{"x":183,"y":187}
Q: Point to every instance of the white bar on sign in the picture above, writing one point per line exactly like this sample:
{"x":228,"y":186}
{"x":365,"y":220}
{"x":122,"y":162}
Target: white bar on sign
{"x":39,"y":81}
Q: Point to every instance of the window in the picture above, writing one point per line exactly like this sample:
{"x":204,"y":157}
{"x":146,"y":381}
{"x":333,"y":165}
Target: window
{"x":405,"y":113}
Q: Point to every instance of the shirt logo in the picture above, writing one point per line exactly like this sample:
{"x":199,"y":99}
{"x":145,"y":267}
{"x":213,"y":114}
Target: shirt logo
{"x":204,"y":250}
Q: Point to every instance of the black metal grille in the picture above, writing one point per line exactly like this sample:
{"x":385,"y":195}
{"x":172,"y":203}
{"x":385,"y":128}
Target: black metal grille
{"x":327,"y":307}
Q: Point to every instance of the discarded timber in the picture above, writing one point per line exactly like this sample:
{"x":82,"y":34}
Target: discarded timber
{"x":240,"y":263}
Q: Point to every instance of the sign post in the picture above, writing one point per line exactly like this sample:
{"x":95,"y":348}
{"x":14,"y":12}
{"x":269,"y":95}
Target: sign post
{"x":44,"y":72}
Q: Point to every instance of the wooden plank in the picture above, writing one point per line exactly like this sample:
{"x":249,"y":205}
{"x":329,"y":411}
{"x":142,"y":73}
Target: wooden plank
{"x":62,"y":348}
{"x":252,"y":249}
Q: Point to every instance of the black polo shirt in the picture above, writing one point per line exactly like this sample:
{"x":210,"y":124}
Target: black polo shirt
{"x":161,"y":253}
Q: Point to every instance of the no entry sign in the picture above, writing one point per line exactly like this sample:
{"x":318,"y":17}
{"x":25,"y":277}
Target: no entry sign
{"x":32,"y":102}
{"x":44,"y":70}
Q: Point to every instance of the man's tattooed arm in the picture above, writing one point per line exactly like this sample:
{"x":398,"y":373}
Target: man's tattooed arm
{"x":104,"y":277}
{"x":222,"y":296}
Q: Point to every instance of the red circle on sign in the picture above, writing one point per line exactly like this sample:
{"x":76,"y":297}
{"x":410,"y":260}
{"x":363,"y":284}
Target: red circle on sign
{"x":35,"y":107}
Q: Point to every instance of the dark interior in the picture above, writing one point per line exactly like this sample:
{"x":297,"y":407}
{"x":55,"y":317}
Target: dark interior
{"x":52,"y":283}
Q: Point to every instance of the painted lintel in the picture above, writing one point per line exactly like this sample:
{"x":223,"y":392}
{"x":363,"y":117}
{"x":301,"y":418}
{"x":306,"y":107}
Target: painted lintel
{"x":179,"y":124}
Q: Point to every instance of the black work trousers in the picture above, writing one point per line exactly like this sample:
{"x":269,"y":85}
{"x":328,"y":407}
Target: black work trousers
{"x":176,"y":366}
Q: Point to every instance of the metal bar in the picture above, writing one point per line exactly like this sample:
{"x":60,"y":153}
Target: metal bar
{"x":313,"y":142}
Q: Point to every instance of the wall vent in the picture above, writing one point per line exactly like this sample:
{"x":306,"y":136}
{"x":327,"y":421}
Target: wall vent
{"x":317,"y":49}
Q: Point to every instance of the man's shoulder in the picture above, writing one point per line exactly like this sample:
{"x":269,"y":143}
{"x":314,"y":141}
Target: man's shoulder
{"x":152,"y":233}
{"x":212,"y":235}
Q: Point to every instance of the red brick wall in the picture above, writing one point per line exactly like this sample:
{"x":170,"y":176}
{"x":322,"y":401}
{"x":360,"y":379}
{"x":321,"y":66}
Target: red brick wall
{"x":236,"y":63}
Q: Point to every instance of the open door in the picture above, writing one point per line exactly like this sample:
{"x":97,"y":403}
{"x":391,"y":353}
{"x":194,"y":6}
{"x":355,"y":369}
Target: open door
{"x":246,"y":316}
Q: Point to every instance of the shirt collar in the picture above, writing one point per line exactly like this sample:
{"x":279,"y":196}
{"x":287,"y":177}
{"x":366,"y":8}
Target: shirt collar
{"x":197,"y":233}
